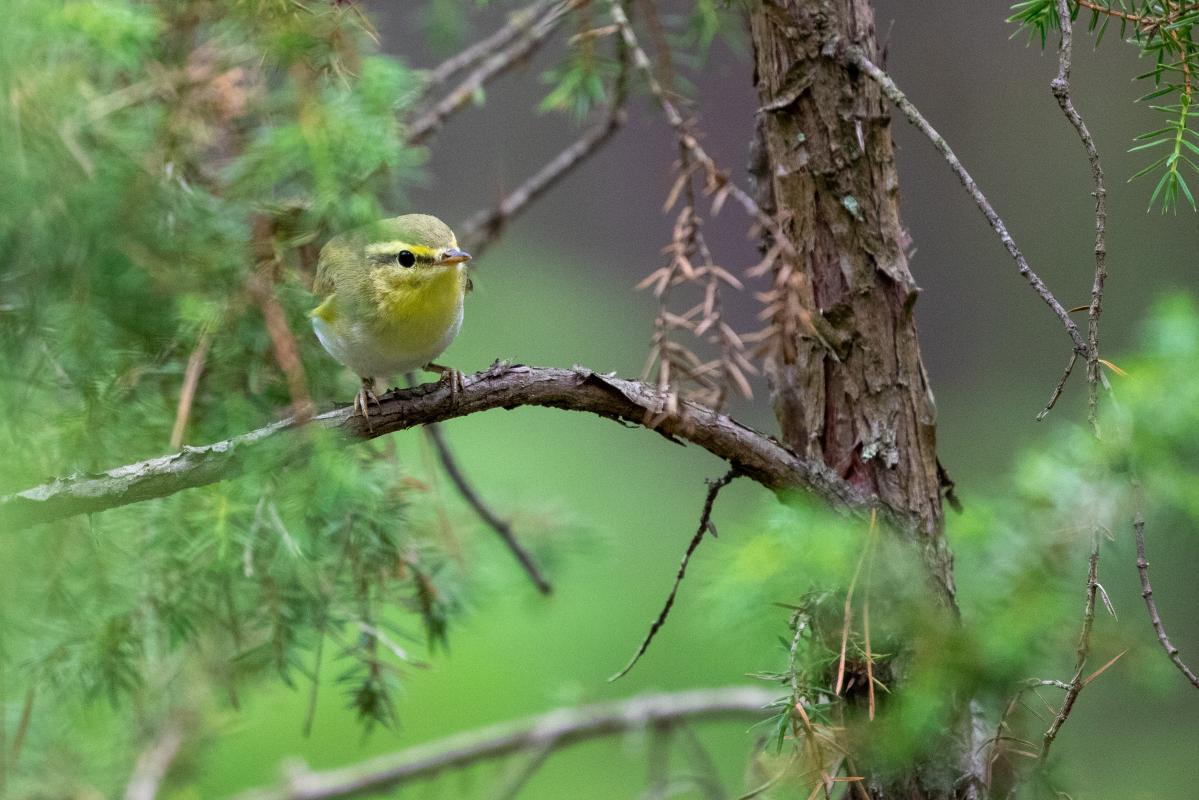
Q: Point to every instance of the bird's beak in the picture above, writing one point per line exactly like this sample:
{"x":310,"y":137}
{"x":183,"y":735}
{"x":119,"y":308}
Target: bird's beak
{"x":453,"y":256}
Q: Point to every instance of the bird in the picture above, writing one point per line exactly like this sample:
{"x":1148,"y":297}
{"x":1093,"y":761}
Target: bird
{"x":392,"y":297}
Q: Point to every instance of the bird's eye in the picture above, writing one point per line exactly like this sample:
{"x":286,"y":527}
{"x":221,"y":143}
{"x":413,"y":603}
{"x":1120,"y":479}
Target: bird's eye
{"x":405,"y":258}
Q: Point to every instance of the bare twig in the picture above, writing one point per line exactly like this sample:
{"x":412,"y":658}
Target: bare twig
{"x":18,"y":739}
{"x":493,"y":521}
{"x":191,"y":379}
{"x":705,"y":527}
{"x":519,"y":23}
{"x":1138,"y":528}
{"x":1084,"y":649}
{"x":1057,"y":390}
{"x":723,"y":187}
{"x":856,"y":56}
{"x":1061,"y":90}
{"x":757,"y":456}
{"x":153,"y":764}
{"x":485,"y":226}
{"x":498,"y":62}
{"x":549,"y":732}
{"x":283,"y":342}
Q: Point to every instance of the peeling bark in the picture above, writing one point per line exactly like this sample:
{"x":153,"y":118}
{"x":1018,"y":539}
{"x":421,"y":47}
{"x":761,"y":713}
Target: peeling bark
{"x":850,"y":390}
{"x":856,"y":397}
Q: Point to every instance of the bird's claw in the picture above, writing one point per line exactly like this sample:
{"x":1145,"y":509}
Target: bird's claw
{"x":453,"y":377}
{"x":366,"y":395}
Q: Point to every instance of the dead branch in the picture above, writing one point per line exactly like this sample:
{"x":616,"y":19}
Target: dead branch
{"x":1084,"y":648}
{"x":1061,"y":90}
{"x":858,"y":58}
{"x":495,"y":64}
{"x":705,"y":527}
{"x":154,"y":763}
{"x":485,"y":226}
{"x":757,"y":456}
{"x":191,"y":379}
{"x":1155,"y":619}
{"x":519,"y":22}
{"x":552,"y":731}
{"x":484,"y":511}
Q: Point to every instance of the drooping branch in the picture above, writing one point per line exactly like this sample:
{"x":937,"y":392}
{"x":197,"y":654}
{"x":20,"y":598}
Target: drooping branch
{"x":859,"y":59}
{"x":493,"y":520}
{"x":1155,"y":618}
{"x":548,"y":732}
{"x":1061,"y":90}
{"x":757,"y":456}
{"x":705,"y":527}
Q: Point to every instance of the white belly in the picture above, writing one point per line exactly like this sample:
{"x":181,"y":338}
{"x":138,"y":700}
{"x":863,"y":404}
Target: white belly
{"x":361,"y":350}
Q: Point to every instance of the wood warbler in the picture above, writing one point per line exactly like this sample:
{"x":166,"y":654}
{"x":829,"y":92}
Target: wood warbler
{"x":393,"y":293}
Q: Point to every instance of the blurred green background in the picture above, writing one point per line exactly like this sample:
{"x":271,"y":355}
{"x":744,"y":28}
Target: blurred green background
{"x":610,"y":510}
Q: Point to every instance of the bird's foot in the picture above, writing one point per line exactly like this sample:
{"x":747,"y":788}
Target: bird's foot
{"x":451,"y":376}
{"x":366,"y":395}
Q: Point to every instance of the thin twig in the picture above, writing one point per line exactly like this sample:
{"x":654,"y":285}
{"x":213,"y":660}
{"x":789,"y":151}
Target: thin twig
{"x":705,"y":527}
{"x":283,"y":342}
{"x":1138,"y":528}
{"x":1061,"y":90}
{"x":493,"y":65}
{"x":485,"y":226}
{"x":519,"y":22}
{"x":18,"y":739}
{"x":484,"y":511}
{"x":552,"y":731}
{"x":866,"y":616}
{"x":1057,"y":390}
{"x":154,"y":763}
{"x":191,"y":379}
{"x":722,"y":185}
{"x":856,"y":56}
{"x":1084,"y":649}
{"x":516,"y":780}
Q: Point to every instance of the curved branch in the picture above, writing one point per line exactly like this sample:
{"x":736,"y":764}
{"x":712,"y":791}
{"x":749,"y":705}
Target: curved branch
{"x":551,"y":731}
{"x":858,"y":58}
{"x":633,"y":403}
{"x":493,"y":520}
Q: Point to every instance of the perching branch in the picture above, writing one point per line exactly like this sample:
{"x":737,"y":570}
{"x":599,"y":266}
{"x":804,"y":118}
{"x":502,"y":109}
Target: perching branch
{"x":1138,"y":528}
{"x":490,"y":67}
{"x":548,"y":732}
{"x":484,"y":511}
{"x":858,"y":58}
{"x":1061,"y":90}
{"x":756,"y":455}
{"x":705,"y":527}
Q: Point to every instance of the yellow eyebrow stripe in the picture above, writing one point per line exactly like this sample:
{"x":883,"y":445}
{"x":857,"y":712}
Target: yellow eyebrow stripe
{"x":395,"y":246}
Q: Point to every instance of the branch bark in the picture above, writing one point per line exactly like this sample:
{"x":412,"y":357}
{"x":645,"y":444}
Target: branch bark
{"x":548,"y":732}
{"x":756,"y":455}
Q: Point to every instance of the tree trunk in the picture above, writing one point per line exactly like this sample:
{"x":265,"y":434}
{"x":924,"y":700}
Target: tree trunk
{"x":849,"y":388}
